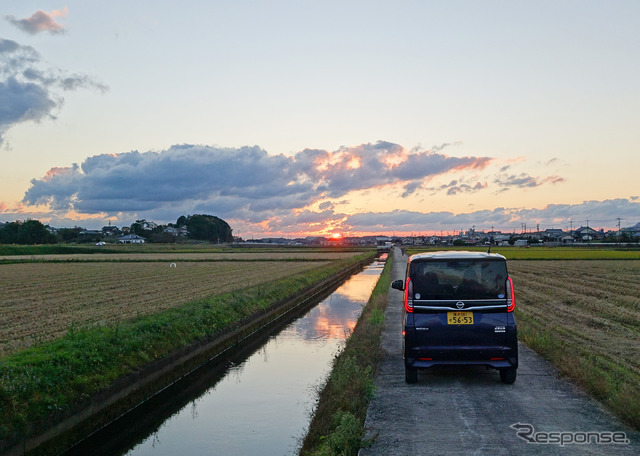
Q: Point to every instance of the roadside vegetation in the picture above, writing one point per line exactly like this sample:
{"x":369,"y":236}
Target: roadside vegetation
{"x":584,"y":316}
{"x":337,"y":425}
{"x":42,"y":383}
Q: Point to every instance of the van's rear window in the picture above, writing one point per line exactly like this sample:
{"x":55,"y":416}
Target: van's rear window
{"x":458,"y":279}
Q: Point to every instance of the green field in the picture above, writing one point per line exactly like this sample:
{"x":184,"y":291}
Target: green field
{"x":547,"y":253}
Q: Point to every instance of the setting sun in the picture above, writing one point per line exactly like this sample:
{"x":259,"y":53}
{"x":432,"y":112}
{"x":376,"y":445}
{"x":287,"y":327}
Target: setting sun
{"x":336,"y":236}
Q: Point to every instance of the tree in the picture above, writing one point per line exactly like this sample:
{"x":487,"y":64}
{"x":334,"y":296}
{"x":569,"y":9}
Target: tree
{"x":207,"y":228}
{"x":29,"y":232}
{"x":69,"y":234}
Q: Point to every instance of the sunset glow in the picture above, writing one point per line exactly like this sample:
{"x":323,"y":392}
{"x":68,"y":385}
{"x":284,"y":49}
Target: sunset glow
{"x":375,"y":127}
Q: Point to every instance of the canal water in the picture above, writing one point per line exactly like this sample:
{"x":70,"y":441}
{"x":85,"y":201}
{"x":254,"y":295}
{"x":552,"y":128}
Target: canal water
{"x":256,"y":403}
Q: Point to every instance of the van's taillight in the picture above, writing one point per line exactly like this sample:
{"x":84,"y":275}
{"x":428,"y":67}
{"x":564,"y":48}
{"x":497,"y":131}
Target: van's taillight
{"x":511,"y":297}
{"x":408,"y":296}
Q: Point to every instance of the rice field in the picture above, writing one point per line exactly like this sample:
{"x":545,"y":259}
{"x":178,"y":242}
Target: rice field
{"x":292,"y":255}
{"x":585,"y":317}
{"x":41,"y":301}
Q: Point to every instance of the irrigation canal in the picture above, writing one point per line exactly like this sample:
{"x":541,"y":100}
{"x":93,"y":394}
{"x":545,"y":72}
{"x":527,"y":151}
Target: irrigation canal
{"x":255,"y":401}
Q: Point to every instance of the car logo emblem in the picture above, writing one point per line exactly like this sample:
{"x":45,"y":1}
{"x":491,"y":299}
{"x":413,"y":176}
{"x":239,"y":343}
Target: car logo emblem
{"x":460,"y":305}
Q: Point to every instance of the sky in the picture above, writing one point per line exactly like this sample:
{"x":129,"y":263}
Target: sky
{"x":303,"y":118}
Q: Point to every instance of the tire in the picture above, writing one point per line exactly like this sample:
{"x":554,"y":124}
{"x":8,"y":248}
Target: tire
{"x":508,"y":375}
{"x":410,"y":374}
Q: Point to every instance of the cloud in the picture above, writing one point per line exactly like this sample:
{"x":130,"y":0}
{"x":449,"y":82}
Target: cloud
{"x":30,"y":92}
{"x":236,"y":182}
{"x":466,"y":188}
{"x":597,"y":214}
{"x":375,"y":165}
{"x":40,"y":21}
{"x":524,"y":180}
{"x":23,"y":102}
{"x":267,"y":195}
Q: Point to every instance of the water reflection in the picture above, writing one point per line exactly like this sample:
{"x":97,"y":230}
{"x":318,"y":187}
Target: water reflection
{"x":259,"y":405}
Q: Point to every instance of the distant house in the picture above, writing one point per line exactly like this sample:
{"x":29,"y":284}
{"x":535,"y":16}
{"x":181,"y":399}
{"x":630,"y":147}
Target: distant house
{"x":132,"y":239}
{"x":181,"y":231}
{"x":553,"y":234}
{"x":111,"y":231}
{"x":632,"y":230}
{"x":90,"y":233}
{"x":584,"y":233}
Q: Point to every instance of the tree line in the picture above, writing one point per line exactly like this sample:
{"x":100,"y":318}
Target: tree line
{"x":197,"y":227}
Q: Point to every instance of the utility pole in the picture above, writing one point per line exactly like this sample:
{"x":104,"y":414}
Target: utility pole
{"x":619,"y":230}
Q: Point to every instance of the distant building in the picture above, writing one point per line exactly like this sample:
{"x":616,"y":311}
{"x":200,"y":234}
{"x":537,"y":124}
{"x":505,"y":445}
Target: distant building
{"x":633,"y":231}
{"x":383,"y":243}
{"x":111,"y":231}
{"x":177,"y":231}
{"x":90,"y":233}
{"x":584,"y":233}
{"x":132,"y":239}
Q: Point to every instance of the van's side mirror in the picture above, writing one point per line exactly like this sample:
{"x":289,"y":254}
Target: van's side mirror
{"x":398,"y":285}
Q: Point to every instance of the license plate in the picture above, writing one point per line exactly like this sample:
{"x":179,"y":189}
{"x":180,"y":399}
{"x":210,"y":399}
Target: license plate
{"x":459,"y":318}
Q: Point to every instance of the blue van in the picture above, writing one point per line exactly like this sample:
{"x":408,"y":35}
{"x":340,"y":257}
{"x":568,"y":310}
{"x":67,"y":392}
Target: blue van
{"x":458,"y":309}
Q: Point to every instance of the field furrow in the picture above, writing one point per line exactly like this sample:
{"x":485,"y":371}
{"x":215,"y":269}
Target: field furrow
{"x":41,"y":301}
{"x":594,"y":306}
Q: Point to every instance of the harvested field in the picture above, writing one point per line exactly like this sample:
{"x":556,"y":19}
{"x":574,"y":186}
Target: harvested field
{"x":294,"y":255}
{"x":585,"y":316}
{"x":41,"y":301}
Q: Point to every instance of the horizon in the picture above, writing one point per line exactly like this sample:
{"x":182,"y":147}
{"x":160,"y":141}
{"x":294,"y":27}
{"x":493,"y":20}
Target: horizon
{"x":354,"y":118}
{"x":336,"y":236}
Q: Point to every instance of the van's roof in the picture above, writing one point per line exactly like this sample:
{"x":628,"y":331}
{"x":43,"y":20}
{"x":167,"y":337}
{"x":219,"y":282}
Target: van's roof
{"x":456,"y":255}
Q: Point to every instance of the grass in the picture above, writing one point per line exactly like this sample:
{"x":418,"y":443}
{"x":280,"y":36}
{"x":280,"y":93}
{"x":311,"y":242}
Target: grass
{"x":337,"y":426}
{"x":41,"y":384}
{"x":584,"y":316}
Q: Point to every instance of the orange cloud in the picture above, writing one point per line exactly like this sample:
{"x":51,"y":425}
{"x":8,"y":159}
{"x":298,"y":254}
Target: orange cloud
{"x":57,"y":171}
{"x":478,"y":163}
{"x":41,"y":21}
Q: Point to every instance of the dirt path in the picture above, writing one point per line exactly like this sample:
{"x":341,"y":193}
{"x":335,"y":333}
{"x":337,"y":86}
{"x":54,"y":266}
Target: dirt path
{"x":469,"y":411}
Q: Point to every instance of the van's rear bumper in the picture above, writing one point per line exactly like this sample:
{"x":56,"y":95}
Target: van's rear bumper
{"x":495,"y":357}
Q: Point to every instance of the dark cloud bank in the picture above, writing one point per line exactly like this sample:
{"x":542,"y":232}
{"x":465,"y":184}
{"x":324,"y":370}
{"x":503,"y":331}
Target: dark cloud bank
{"x":273,"y":193}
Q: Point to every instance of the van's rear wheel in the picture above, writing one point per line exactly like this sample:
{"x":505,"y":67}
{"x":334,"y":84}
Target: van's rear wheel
{"x":508,"y":375}
{"x":410,"y":374}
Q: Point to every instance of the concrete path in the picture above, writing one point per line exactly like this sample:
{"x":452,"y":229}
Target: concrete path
{"x":468,"y":411}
